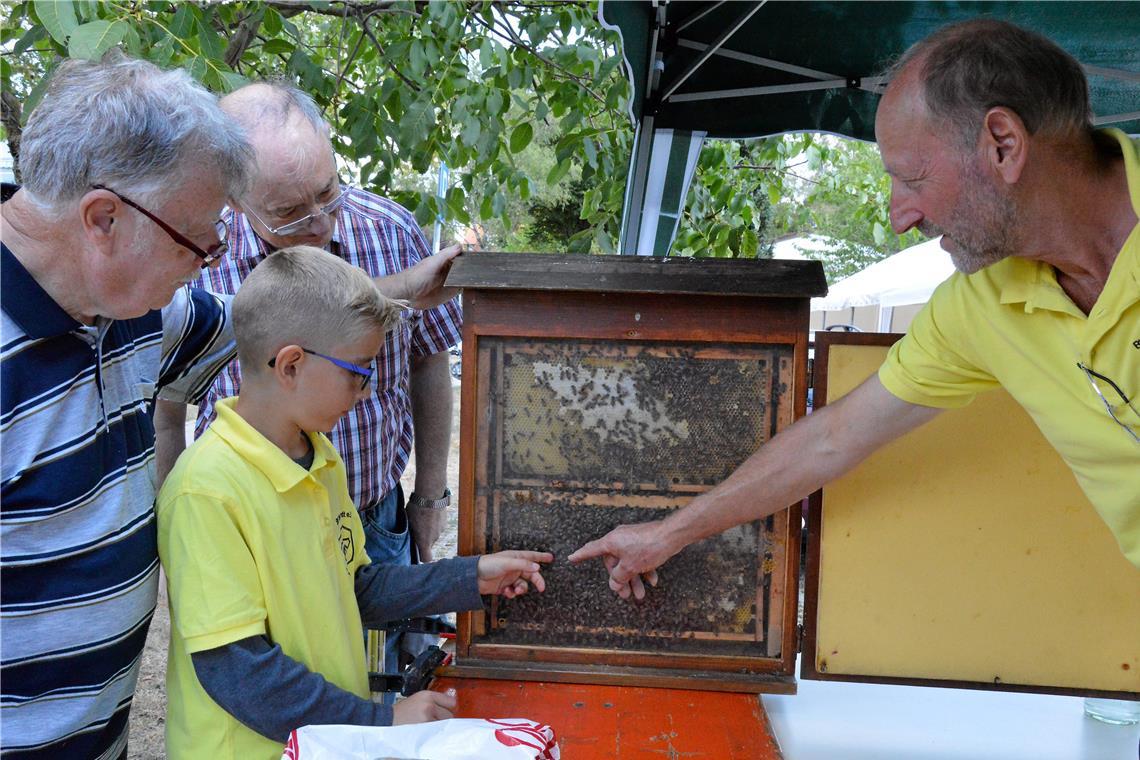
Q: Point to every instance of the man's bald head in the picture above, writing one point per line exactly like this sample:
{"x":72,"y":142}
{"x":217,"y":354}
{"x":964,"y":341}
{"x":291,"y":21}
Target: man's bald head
{"x":965,"y":69}
{"x":269,"y":105}
{"x":296,"y":173}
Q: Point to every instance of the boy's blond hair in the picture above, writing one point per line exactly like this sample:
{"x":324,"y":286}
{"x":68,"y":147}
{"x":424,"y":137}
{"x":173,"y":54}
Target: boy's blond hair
{"x":306,"y":296}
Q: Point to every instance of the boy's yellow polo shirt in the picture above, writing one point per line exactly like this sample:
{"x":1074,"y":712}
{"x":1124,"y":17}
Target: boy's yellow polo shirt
{"x":254,"y":544}
{"x":1012,"y":325}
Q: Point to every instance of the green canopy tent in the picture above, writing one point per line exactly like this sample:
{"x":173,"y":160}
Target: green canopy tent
{"x":750,"y":69}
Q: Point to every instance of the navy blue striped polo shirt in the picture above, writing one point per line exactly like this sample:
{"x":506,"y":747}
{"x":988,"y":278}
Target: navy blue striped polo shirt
{"x":78,"y":552}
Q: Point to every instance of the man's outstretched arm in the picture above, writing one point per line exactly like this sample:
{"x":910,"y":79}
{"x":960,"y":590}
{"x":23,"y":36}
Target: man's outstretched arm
{"x":812,"y":452}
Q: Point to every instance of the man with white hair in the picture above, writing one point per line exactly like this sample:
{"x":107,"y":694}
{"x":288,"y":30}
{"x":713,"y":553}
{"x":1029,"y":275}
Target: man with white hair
{"x":296,"y":198}
{"x":126,"y":168}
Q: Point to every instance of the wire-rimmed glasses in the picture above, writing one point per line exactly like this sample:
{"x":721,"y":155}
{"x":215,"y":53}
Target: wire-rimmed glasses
{"x":1093,"y":377}
{"x":297,"y":225}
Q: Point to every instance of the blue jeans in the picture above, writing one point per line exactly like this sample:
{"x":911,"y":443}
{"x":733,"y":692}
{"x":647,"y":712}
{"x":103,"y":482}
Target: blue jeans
{"x":387,"y":541}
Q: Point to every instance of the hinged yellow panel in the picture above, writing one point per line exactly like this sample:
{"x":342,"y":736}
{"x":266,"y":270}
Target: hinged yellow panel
{"x":965,"y":551}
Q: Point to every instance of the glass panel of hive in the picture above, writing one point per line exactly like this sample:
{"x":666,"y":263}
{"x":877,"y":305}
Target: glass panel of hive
{"x":581,"y":436}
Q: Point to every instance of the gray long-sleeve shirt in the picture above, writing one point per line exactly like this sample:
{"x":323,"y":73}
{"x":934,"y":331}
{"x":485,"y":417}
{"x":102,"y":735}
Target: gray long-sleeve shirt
{"x":272,"y":693}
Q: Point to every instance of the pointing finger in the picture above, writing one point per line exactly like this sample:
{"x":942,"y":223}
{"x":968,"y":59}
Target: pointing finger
{"x":595,"y":548}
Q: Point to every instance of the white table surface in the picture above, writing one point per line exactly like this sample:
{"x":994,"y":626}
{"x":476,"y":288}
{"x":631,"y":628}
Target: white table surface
{"x":830,"y":720}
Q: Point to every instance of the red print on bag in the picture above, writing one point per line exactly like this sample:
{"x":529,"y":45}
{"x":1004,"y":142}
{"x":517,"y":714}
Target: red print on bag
{"x":292,"y":750}
{"x":526,"y":734}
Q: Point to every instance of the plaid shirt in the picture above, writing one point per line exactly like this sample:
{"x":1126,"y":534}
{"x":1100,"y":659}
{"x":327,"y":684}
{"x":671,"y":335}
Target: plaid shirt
{"x":380,"y":237}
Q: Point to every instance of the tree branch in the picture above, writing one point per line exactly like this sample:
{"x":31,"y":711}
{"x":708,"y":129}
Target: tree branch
{"x":240,"y":39}
{"x":384,"y":55}
{"x":10,"y":112}
{"x":290,"y":8}
{"x":510,"y":36}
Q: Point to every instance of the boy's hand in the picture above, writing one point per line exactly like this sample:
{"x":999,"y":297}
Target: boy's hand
{"x":423,"y":706}
{"x":510,"y":573}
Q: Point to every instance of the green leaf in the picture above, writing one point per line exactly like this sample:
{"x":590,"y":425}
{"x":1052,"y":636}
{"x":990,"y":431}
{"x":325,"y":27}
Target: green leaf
{"x":603,"y":241}
{"x":417,"y":58}
{"x":94,"y":38}
{"x":521,"y":137}
{"x":87,"y":10}
{"x":496,"y":102}
{"x":271,"y":22}
{"x":31,"y":36}
{"x":211,"y":43}
{"x":749,"y":244}
{"x":58,"y":17}
{"x":472,"y":130}
{"x":879,"y":233}
{"x":198,"y":68}
{"x":134,"y":43}
{"x":558,"y":172}
{"x":163,"y":52}
{"x":417,"y":121}
{"x":591,"y":152}
{"x":184,"y":22}
{"x":425,"y":210}
{"x":276,"y":46}
{"x":37,"y":94}
{"x":456,"y":198}
{"x":233,"y":80}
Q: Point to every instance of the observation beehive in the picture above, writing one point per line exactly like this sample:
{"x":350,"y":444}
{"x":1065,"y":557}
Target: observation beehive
{"x":601,"y":390}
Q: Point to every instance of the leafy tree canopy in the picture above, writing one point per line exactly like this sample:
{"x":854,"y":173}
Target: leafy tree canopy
{"x":525,"y":101}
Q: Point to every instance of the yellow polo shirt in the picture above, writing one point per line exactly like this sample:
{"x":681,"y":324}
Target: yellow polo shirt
{"x":252,"y":544}
{"x":1012,"y":325}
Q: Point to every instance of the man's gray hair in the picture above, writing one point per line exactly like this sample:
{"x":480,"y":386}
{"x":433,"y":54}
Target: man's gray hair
{"x":131,"y":126}
{"x":970,"y":67}
{"x":277,"y":99}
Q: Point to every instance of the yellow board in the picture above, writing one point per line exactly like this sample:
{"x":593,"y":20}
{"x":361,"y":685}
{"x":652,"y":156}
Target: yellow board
{"x":966,"y":551}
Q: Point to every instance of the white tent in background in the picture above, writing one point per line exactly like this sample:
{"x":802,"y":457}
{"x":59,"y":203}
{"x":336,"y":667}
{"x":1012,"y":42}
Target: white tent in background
{"x":908,"y":277}
{"x":804,"y":247}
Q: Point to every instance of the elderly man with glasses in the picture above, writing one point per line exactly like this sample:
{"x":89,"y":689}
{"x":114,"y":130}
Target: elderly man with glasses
{"x":125,"y":170}
{"x":296,"y":198}
{"x":985,"y":132}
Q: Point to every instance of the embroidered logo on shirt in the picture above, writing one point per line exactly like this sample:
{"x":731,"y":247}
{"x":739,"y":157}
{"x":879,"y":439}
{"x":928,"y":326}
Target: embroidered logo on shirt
{"x":347,"y":544}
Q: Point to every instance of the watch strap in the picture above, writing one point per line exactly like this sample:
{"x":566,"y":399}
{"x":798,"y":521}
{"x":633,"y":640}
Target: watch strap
{"x":418,"y":502}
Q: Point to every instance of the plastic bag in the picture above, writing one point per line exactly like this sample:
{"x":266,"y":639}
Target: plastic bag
{"x":454,"y":739}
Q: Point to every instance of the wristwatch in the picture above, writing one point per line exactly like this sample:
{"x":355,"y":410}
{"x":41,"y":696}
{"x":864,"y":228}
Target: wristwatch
{"x":418,"y":502}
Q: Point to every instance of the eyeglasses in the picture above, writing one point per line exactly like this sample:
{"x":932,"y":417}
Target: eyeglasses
{"x":208,"y":256}
{"x":292,"y":228}
{"x":365,"y":373}
{"x":1093,"y":376}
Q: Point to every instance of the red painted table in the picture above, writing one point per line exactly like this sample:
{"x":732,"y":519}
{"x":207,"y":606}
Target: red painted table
{"x":622,"y":722}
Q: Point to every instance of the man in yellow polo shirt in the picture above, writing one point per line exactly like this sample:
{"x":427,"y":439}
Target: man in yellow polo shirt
{"x":985,"y":133}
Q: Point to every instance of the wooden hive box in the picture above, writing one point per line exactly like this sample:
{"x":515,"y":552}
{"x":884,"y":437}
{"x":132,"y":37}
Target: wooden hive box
{"x":600,"y":390}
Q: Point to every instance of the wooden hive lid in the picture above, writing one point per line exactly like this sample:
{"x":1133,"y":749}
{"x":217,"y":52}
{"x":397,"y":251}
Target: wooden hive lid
{"x":638,"y":274}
